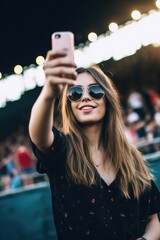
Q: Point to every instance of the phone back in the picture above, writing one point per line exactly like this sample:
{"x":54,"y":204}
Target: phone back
{"x":64,"y":41}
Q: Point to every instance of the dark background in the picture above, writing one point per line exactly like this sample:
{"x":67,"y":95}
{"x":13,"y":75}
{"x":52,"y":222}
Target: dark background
{"x":25,"y":33}
{"x":26,"y":26}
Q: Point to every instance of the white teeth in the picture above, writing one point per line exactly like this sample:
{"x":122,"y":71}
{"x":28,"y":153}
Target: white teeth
{"x":87,"y":107}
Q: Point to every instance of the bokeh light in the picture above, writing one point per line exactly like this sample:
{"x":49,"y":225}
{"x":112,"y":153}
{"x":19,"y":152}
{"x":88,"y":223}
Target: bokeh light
{"x":136,"y":15}
{"x":113,"y":27}
{"x":40,"y":60}
{"x":92,"y":37}
{"x":158,"y":3}
{"x":18,"y":69}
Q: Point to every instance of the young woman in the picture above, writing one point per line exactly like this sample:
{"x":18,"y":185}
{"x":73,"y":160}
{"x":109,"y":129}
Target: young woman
{"x":101,"y":188}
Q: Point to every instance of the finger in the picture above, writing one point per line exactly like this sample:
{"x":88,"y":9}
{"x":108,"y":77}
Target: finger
{"x":60,"y":61}
{"x":62,"y":72}
{"x":51,"y":54}
{"x":60,"y":80}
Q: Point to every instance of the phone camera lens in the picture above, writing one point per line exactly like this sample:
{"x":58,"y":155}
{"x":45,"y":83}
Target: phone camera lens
{"x":57,"y":36}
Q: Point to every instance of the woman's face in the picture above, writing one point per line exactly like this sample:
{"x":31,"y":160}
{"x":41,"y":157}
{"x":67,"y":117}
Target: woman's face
{"x":88,"y":110}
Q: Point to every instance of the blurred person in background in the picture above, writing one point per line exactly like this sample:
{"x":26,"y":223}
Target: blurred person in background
{"x":132,"y":116}
{"x":5,"y":179}
{"x":12,"y":171}
{"x":135,"y":124}
{"x":154,"y":96}
{"x":157,"y":118}
{"x":25,"y":163}
{"x":130,"y":119}
{"x":137,"y":103}
{"x":101,"y":187}
{"x":150,"y":130}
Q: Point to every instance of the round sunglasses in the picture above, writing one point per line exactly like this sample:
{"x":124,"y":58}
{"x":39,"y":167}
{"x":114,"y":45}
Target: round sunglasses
{"x":75,"y":93}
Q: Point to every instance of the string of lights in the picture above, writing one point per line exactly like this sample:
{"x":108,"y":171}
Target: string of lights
{"x":117,"y":43}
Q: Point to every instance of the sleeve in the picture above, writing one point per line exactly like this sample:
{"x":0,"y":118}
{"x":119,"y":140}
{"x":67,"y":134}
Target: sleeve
{"x":154,"y":199}
{"x":50,"y":159}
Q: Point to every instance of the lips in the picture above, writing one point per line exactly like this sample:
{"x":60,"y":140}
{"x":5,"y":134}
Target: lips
{"x":86,"y":107}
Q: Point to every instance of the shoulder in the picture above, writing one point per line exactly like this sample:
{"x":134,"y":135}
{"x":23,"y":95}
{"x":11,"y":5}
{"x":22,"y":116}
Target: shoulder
{"x":54,"y":156}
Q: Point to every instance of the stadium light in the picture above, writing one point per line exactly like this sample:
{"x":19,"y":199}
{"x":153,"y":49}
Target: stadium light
{"x":158,"y":3}
{"x":136,"y":15}
{"x":92,"y":36}
{"x":113,"y":27}
{"x":124,"y":42}
{"x":18,"y":69}
{"x":40,"y":60}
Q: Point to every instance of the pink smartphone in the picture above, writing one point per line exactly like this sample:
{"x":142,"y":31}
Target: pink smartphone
{"x":64,"y":41}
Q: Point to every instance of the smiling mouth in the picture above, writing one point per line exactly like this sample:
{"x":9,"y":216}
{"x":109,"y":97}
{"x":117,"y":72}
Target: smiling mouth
{"x":87,"y":107}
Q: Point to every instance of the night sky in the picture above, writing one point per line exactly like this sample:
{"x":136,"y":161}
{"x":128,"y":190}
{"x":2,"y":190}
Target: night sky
{"x":26,"y":26}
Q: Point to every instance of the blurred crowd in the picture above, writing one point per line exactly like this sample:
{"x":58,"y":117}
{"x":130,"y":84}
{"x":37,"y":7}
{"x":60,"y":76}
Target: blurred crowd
{"x":141,"y":115}
{"x":17,"y":162}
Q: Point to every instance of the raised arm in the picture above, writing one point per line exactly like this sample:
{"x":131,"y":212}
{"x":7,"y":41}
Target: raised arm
{"x":59,"y":71}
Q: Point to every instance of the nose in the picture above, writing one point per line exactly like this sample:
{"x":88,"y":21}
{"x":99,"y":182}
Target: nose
{"x":86,"y":95}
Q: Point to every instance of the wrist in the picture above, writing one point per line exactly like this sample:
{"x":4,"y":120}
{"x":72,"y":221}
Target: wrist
{"x":48,"y":94}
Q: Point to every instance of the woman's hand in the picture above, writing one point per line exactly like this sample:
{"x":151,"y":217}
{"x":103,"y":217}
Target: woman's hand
{"x":59,"y":70}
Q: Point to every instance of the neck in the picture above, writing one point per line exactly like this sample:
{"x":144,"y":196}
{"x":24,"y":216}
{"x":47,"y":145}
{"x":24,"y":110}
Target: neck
{"x":93,"y":134}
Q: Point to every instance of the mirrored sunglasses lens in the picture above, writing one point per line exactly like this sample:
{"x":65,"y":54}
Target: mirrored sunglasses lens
{"x":96,"y":92}
{"x":75,"y":93}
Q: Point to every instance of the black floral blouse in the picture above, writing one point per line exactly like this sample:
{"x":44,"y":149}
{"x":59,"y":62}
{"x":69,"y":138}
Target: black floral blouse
{"x":99,"y":212}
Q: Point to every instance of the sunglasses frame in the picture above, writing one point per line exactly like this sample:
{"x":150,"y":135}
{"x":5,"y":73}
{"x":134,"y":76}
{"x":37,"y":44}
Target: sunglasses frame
{"x":81,"y":87}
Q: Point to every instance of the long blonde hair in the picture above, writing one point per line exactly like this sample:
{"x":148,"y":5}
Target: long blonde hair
{"x":126,"y":159}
